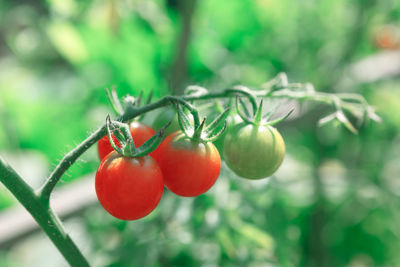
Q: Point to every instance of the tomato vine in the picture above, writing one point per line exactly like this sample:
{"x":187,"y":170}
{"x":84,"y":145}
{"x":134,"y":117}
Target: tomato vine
{"x":37,"y":202}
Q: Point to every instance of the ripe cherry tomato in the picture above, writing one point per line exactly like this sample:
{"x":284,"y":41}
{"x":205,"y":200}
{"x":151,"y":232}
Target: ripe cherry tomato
{"x":140,"y":134}
{"x":129,"y":188}
{"x":253,"y":152}
{"x":189,"y":168}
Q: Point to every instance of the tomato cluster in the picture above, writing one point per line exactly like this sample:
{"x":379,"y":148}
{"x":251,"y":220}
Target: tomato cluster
{"x":130,"y":188}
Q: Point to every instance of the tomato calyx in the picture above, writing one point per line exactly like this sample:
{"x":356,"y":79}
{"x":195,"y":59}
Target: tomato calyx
{"x":258,"y":118}
{"x":200,"y":132}
{"x":129,"y":102}
{"x":122,"y":133}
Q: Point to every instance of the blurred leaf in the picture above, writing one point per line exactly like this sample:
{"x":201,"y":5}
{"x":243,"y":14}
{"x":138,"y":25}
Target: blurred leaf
{"x":67,"y":41}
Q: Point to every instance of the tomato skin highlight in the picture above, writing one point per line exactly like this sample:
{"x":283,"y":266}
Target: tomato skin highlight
{"x":254,"y":152}
{"x":189,"y":169}
{"x":140,"y":133}
{"x":129,"y":188}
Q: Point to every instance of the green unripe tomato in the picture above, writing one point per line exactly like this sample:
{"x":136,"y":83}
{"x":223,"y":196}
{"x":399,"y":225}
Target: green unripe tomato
{"x":253,"y":152}
{"x":165,"y":116}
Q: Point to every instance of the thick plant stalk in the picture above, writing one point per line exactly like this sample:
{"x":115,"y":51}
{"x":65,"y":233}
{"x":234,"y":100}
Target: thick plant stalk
{"x":42,"y":213}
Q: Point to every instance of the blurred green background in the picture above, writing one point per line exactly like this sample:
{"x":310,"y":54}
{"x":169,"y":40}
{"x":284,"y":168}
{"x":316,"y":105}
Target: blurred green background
{"x":335,"y":200}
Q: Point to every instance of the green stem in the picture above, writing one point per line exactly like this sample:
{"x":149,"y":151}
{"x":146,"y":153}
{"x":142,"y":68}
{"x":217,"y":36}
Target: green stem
{"x":42,"y":213}
{"x":67,"y":161}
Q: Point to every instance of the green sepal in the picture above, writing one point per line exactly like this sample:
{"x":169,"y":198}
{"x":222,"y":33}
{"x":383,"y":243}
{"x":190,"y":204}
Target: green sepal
{"x":149,"y":97}
{"x":212,"y":128}
{"x":218,"y":106}
{"x":372,"y":115}
{"x":184,"y":121}
{"x":258,"y":115}
{"x":139,"y":98}
{"x":198,"y":132}
{"x":248,"y":93}
{"x":245,"y":109}
{"x":267,"y":115}
{"x":148,"y":101}
{"x":258,"y":118}
{"x":114,"y":100}
{"x":327,"y":119}
{"x":152,"y":144}
{"x":240,"y":113}
{"x":271,"y":123}
{"x":213,"y":137}
{"x":123,"y":135}
{"x":341,"y":117}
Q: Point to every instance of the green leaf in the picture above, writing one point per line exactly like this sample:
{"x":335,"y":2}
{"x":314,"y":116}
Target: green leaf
{"x":151,"y":144}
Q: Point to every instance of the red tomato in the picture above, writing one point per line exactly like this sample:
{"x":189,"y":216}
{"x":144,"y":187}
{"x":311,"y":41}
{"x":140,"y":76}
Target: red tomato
{"x":129,"y":188}
{"x":189,"y":169}
{"x":140,"y":134}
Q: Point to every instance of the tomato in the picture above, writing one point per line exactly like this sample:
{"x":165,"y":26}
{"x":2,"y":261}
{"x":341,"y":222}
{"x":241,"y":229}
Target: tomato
{"x":253,"y":152}
{"x":189,"y":168}
{"x":165,"y":116}
{"x":387,"y":37}
{"x":140,"y":134}
{"x":129,"y":188}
